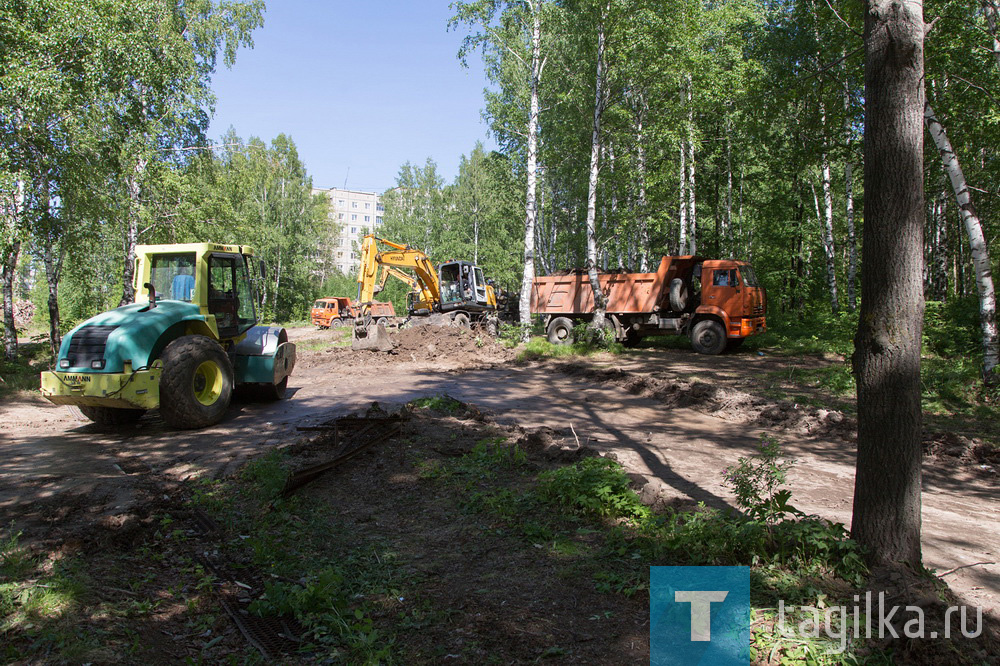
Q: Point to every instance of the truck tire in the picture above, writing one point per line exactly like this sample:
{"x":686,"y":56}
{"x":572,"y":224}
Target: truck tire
{"x":560,"y":331}
{"x":382,"y":321}
{"x":112,"y":416}
{"x":708,"y":337}
{"x":632,"y":337}
{"x":197,"y":382}
{"x":678,"y":295}
{"x":461,"y":320}
{"x":336,"y":322}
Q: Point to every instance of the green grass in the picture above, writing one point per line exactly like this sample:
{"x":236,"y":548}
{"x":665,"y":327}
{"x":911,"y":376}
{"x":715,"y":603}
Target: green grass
{"x":538,"y":348}
{"x":22,"y":374}
{"x":439,"y":403}
{"x":586,"y":517}
{"x":318,"y":576}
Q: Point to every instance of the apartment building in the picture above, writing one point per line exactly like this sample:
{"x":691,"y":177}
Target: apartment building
{"x":356,"y":213}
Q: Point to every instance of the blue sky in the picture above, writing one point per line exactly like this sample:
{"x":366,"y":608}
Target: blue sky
{"x":358,"y":85}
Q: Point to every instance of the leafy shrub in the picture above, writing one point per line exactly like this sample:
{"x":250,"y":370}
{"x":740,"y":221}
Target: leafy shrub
{"x":756,"y":479}
{"x":592,"y":486}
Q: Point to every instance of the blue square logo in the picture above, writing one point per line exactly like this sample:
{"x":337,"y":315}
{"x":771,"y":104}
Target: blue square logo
{"x":699,"y":615}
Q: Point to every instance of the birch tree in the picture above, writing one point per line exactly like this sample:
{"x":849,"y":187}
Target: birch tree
{"x":510,"y":36}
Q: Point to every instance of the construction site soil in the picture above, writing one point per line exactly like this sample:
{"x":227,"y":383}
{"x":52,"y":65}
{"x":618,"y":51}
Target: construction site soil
{"x":673,"y":418}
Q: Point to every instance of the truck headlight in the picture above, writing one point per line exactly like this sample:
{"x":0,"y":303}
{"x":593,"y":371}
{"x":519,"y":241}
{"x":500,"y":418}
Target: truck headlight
{"x":97,"y":365}
{"x":64,"y":363}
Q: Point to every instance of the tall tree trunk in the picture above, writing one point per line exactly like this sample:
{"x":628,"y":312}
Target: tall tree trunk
{"x":852,"y":241}
{"x":13,"y":213}
{"x":134,"y":187}
{"x":683,"y":204}
{"x":992,"y":19}
{"x":727,"y":219}
{"x":977,"y":245}
{"x":939,"y":264}
{"x":595,"y":154}
{"x":8,"y":270}
{"x":887,"y":347}
{"x":643,"y":242}
{"x":528,"y":277}
{"x":828,"y":245}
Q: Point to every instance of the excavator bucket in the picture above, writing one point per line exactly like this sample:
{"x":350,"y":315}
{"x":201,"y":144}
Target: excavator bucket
{"x":370,"y":336}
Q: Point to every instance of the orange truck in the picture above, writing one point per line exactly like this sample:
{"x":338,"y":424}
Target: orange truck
{"x":340,"y":310}
{"x":718,"y":303}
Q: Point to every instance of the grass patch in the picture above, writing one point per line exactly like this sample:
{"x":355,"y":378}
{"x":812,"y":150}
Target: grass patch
{"x":305,"y":571}
{"x":539,"y":348}
{"x":334,"y":338}
{"x":22,"y":374}
{"x":586,"y":517}
{"x":439,"y":403}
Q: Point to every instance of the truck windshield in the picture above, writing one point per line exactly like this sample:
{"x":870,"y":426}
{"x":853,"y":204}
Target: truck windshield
{"x":749,"y":277}
{"x":172,"y":275}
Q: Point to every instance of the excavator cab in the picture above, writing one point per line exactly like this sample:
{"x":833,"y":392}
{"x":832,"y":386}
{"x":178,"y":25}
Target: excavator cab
{"x":463,"y":287}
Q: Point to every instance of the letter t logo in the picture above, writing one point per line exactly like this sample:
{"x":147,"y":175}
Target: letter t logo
{"x":701,"y":615}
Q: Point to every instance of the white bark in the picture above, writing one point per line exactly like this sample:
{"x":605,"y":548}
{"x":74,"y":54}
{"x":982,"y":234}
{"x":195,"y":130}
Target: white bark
{"x":595,"y":154}
{"x":828,"y":245}
{"x":977,"y":243}
{"x":727,"y":220}
{"x":692,"y":208}
{"x":682,"y":207}
{"x":12,"y":212}
{"x":528,"y":277}
{"x":643,"y":249}
{"x":992,"y":19}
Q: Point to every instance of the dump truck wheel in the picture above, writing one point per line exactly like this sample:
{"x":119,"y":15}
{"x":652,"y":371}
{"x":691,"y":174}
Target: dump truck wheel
{"x":732,"y":344}
{"x":678,"y":295}
{"x":493,"y":327}
{"x":197,"y":382}
{"x":112,"y":416}
{"x":708,"y":337}
{"x":382,"y":321}
{"x":334,"y":323}
{"x":461,"y":320}
{"x":560,"y":331}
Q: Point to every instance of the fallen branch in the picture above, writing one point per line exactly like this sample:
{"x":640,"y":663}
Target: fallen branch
{"x":964,"y":566}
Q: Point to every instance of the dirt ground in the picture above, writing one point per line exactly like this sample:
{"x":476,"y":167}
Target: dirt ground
{"x":674,"y":418}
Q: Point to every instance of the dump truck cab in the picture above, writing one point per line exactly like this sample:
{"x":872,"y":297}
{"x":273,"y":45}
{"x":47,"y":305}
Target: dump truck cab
{"x":187,"y":341}
{"x":327,"y":312}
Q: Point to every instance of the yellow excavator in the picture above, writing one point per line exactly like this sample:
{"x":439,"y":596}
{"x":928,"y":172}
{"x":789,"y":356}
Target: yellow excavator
{"x":455,"y":293}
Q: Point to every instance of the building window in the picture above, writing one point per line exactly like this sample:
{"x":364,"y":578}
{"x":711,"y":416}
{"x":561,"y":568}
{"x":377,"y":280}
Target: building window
{"x":354,"y":230}
{"x":354,"y":217}
{"x":367,"y":205}
{"x":379,"y":207}
{"x":340,"y":254}
{"x":340,"y":216}
{"x":340,"y":202}
{"x":378,"y":219}
{"x":368,"y":218}
{"x":354,"y":204}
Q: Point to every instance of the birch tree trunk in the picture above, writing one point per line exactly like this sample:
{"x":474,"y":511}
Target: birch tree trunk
{"x":977,"y":244}
{"x":828,"y":246}
{"x":727,"y":219}
{"x":595,"y":152}
{"x":12,"y":212}
{"x":134,"y":187}
{"x":992,"y":19}
{"x":692,"y":214}
{"x":643,"y":244}
{"x":528,"y":277}
{"x":683,"y":205}
{"x":886,"y":360}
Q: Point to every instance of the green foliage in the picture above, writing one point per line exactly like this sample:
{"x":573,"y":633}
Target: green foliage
{"x":951,"y":330}
{"x":268,"y":474}
{"x":439,"y":403}
{"x":756,"y":479}
{"x":593,"y":486}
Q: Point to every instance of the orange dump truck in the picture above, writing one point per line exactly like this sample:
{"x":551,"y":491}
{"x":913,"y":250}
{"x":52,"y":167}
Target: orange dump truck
{"x":338,"y":311}
{"x":718,"y":303}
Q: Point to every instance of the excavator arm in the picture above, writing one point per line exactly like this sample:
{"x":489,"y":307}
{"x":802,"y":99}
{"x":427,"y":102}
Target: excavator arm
{"x":390,"y":261}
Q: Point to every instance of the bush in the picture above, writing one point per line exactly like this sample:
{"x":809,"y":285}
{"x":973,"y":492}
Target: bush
{"x":592,"y":486}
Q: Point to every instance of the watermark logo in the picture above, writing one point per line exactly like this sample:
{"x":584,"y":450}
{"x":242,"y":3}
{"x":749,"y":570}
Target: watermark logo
{"x":699,"y":615}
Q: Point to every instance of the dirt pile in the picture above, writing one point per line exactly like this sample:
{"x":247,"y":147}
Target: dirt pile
{"x":949,"y":447}
{"x":441,"y":346}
